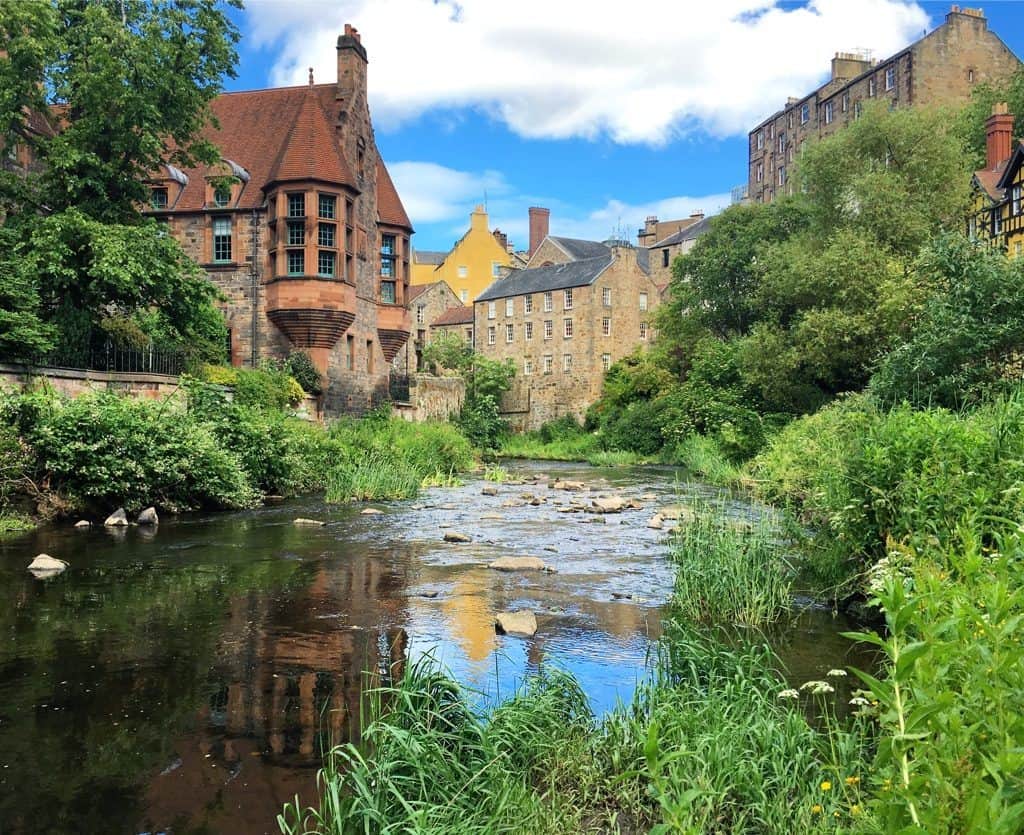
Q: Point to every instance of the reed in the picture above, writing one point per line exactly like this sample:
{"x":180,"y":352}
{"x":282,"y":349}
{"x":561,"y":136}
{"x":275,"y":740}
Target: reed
{"x":375,"y":477}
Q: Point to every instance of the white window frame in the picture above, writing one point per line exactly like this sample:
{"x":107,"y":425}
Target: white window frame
{"x":527,"y":367}
{"x":805,"y":113}
{"x":890,"y":78}
{"x":643,"y":331}
{"x":845,"y":103}
{"x":606,"y":296}
{"x":510,"y":307}
{"x":528,"y":303}
{"x":567,"y":328}
{"x":760,"y":139}
{"x":567,"y":363}
{"x":567,"y":299}
{"x":510,"y":333}
{"x":606,"y":361}
{"x":606,"y":326}
{"x":643,"y":301}
{"x":782,"y":175}
{"x":491,"y":335}
{"x":528,"y":331}
{"x":492,"y":310}
{"x":549,"y":363}
{"x":495,"y":269}
{"x":829,"y":113}
{"x":464,"y":296}
{"x":872,"y":87}
{"x":463,"y":271}
{"x":759,"y":175}
{"x":549,"y":328}
{"x":549,"y":302}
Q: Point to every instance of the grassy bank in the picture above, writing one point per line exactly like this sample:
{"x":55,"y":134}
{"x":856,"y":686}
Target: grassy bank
{"x":101,"y":451}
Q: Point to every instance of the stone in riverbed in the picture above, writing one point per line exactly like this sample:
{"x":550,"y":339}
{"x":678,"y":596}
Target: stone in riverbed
{"x":148,"y":517}
{"x":567,"y":485}
{"x":521,"y":624}
{"x":370,"y":511}
{"x":83,"y":523}
{"x":312,"y":523}
{"x":677,"y":513}
{"x":613,"y":504}
{"x":519,"y":564}
{"x":117,"y":519}
{"x":656,"y":522}
{"x":455,"y":536}
{"x":489,"y":490}
{"x":44,"y":566}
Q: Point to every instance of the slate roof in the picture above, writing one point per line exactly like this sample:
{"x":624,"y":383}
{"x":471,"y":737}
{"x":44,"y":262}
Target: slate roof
{"x":643,"y":259}
{"x":454,"y":316}
{"x":691,"y":232}
{"x":580,"y":249}
{"x":428,"y":256}
{"x":541,"y":279}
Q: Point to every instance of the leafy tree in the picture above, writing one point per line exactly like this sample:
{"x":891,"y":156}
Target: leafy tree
{"x":102,"y":93}
{"x":971,"y":124}
{"x":969,"y":337}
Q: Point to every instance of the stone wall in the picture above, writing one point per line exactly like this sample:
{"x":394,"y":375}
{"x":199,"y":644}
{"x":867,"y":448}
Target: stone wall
{"x":432,"y":398}
{"x":73,"y":382}
{"x":438,"y":298}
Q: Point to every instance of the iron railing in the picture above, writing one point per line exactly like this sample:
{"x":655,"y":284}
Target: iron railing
{"x":111,"y":357}
{"x":398,"y":387}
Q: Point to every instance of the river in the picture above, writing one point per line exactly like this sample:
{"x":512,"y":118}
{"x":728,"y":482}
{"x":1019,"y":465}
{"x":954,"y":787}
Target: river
{"x":185,"y":679}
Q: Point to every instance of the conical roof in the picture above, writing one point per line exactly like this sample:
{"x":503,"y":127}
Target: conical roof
{"x":310,"y":150}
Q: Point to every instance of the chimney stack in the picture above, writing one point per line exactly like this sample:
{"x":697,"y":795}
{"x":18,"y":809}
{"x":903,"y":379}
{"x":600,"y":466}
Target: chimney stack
{"x":998,"y":135}
{"x":538,"y":227}
{"x":501,"y":238}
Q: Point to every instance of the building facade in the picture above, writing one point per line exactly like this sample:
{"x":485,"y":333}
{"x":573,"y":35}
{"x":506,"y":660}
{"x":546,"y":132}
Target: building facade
{"x":455,"y":322}
{"x":664,"y":248}
{"x":563,"y":325}
{"x":941,"y":68}
{"x":301,"y":228}
{"x":426,"y":302}
{"x":477,"y":258}
{"x":997,"y":213}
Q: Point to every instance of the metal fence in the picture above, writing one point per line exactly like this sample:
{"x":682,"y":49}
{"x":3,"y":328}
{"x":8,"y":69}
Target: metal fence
{"x":398,"y":387}
{"x":111,"y":357}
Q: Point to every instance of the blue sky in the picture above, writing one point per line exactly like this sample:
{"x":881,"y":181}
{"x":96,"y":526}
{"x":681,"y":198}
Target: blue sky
{"x":602,"y":112}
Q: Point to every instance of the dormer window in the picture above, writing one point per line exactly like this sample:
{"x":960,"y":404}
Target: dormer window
{"x":221,"y":196}
{"x":158,"y":198}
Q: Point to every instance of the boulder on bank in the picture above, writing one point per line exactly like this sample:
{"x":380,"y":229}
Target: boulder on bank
{"x":117,"y":519}
{"x":455,"y":536}
{"x":520,"y":564}
{"x":657,"y":522}
{"x":677,"y":513}
{"x":312,"y":523}
{"x":44,"y":566}
{"x":148,"y":517}
{"x":567,"y":485}
{"x":522,"y":624}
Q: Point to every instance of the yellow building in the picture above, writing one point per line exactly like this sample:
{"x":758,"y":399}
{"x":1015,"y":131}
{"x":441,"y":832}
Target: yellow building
{"x":473,"y":263}
{"x":997,"y":215}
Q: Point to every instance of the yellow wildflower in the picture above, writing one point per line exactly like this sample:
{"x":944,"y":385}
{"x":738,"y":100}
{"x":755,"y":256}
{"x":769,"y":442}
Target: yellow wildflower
{"x":816,"y":809}
{"x":825,"y":785}
{"x":855,"y":809}
{"x":852,"y":781}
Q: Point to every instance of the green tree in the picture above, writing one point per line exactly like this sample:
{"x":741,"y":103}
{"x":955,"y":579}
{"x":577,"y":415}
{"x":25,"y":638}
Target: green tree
{"x":971,"y":123}
{"x":102,"y":93}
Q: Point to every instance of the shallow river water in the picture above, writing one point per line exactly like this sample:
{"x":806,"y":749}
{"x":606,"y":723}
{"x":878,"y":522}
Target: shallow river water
{"x":184,"y":680}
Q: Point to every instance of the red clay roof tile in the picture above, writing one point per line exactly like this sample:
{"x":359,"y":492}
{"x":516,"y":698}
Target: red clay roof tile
{"x":389,"y":204}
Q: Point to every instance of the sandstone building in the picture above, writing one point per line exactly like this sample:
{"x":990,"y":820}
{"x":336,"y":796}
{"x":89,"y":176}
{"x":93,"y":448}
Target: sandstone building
{"x":426,"y":302}
{"x":664,"y":240}
{"x":302,"y":229}
{"x":941,"y":68}
{"x":563,"y":325}
{"x":997,"y":215}
{"x":458,"y":321}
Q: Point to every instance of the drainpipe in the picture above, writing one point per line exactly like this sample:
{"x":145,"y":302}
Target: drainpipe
{"x":254,"y":273}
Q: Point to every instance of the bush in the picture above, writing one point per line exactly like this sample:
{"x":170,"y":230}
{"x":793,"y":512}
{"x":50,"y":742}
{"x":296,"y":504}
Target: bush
{"x":301,"y":367}
{"x":268,"y":387}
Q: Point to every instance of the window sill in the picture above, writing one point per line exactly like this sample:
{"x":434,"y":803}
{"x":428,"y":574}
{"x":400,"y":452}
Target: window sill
{"x":220,"y":266}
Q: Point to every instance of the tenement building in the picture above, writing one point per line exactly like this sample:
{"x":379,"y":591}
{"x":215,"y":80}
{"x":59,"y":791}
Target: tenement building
{"x":942,"y":68}
{"x":666,"y":240}
{"x":302,"y":229}
{"x":997,"y":214}
{"x":563,"y":325}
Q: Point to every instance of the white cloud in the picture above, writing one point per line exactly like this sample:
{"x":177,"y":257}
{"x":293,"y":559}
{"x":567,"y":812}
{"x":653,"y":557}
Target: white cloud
{"x":639,"y":73}
{"x":441,"y":197}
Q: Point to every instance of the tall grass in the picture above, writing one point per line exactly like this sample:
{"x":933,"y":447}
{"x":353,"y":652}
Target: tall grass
{"x":532,"y":445}
{"x":702,"y":458}
{"x":726,"y":573}
{"x":614,"y":458}
{"x":372,"y":478}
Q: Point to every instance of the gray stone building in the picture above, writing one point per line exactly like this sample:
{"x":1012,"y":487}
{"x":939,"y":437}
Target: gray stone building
{"x":941,"y":68}
{"x":425,"y":302}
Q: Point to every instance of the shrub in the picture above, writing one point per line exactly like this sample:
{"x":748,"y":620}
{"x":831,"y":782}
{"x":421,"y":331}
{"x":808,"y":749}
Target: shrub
{"x":301,"y":367}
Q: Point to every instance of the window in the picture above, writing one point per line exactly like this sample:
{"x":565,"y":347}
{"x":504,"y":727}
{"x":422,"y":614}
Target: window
{"x":829,"y":114}
{"x":771,"y":131}
{"x":759,"y":176}
{"x":509,"y":333}
{"x":1015,"y":196}
{"x":387,"y":256}
{"x":782,"y":175}
{"x":420,"y":316}
{"x":664,"y":257}
{"x":387,"y":292}
{"x":643,"y":301}
{"x":222,"y":239}
{"x":296,"y":262}
{"x":549,"y":329}
{"x":606,"y":326}
{"x":567,"y":300}
{"x":782,"y":143}
{"x":158,"y":198}
{"x":845,"y":103}
{"x":548,"y":363}
{"x":527,"y":367}
{"x":858,"y":108}
{"x":326,"y":236}
{"x":568,"y":328}
{"x":469,"y":336}
{"x":350,"y":353}
{"x":970,"y":76}
{"x":643,"y":330}
{"x":463,"y":272}
{"x":528,"y":304}
{"x":528,"y":331}
{"x":296,"y":205}
{"x":890,"y":78}
{"x":326,"y":263}
{"x":495,"y":269}
{"x":760,"y":139}
{"x":492,"y":310}
{"x":871,"y":87}
{"x":1018,"y":248}
{"x":296,"y":232}
{"x":464,"y":296}
{"x":510,"y":307}
{"x":328,"y":206}
{"x":369,"y":356}
{"x":549,"y":303}
{"x":567,"y":363}
{"x":606,"y":296}
{"x":490,"y":335}
{"x":221,"y":196}
{"x":997,"y":221}
{"x":805,"y":113}
{"x":606,"y":361}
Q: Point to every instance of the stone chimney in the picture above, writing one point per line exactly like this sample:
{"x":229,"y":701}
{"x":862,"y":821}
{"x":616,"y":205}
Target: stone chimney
{"x":539,"y":219}
{"x":998,"y":135}
{"x":501,"y":238}
{"x":846,"y":65}
{"x":353,"y":109}
{"x":649,"y":234}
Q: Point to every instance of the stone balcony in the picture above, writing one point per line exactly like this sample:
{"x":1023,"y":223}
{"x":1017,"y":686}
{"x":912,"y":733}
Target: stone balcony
{"x":394,"y":324}
{"x":312,"y":312}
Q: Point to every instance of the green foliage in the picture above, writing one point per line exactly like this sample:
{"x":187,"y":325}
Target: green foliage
{"x":268,"y":387}
{"x":301,"y":367}
{"x":565,"y":447}
{"x":373,"y":477}
{"x":702,"y":457}
{"x":448,"y":352}
{"x":971,"y":122}
{"x":968,"y":339}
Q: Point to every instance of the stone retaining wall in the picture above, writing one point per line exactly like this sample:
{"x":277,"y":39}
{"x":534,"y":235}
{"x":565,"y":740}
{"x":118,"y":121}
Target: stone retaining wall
{"x":432,"y":398}
{"x":73,"y":382}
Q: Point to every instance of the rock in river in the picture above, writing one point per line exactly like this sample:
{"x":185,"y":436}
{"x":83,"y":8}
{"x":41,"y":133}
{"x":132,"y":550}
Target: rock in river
{"x":370,"y":511}
{"x":44,"y":566}
{"x":613,"y":504}
{"x":519,"y":564}
{"x":489,"y":490}
{"x":656,"y":522}
{"x":148,"y":517}
{"x":83,"y":523}
{"x":117,"y":519}
{"x":523,"y":624}
{"x":455,"y":536}
{"x":313,"y":523}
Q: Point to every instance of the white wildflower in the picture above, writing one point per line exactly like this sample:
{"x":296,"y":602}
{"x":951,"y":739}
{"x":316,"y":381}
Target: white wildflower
{"x":836,"y":673}
{"x":788,"y":694}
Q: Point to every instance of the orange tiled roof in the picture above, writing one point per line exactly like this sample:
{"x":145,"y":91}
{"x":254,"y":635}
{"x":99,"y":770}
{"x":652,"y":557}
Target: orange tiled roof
{"x":309,"y":150}
{"x":988,"y":179}
{"x":454,"y":316}
{"x":418,"y":289}
{"x":389,"y":206}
